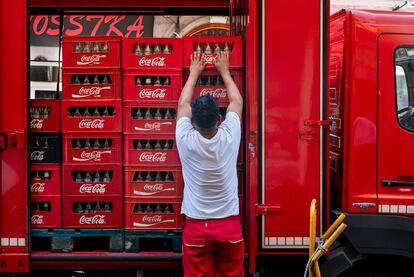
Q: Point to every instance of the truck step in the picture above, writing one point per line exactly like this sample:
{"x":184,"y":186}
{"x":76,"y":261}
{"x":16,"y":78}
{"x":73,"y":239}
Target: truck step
{"x":69,"y":240}
{"x":137,"y":241}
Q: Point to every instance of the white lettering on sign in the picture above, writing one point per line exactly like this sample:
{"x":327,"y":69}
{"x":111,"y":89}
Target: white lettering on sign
{"x":158,"y":93}
{"x":37,"y":219}
{"x":153,"y":157}
{"x":214,"y":92}
{"x":95,"y":156}
{"x":154,"y":126}
{"x":37,"y":188}
{"x":92,"y":124}
{"x":36,"y":124}
{"x":92,"y":59}
{"x":92,"y":91}
{"x":148,"y":221}
{"x":151,"y":189}
{"x":92,"y":188}
{"x":37,"y":156}
{"x":157,"y":61}
{"x":96,"y":219}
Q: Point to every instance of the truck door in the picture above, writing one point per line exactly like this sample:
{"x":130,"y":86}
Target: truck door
{"x":13,"y":127}
{"x":396,"y":124}
{"x":291,"y":121}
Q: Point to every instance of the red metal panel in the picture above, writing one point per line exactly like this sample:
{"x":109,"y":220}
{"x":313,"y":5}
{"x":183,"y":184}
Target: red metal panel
{"x":13,"y":120}
{"x":292,"y":95}
{"x":394,"y":141}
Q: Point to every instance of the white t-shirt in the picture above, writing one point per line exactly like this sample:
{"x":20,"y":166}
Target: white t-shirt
{"x":209,"y":168}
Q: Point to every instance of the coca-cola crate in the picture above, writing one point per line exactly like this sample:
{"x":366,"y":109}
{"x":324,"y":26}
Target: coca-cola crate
{"x":150,"y":86}
{"x":208,"y":46}
{"x":96,"y":51}
{"x":91,"y":83}
{"x":211,"y":83}
{"x":140,"y":150}
{"x":92,"y":180}
{"x":76,"y":212}
{"x":93,"y":148}
{"x":150,"y":182}
{"x":45,"y":115}
{"x":45,"y":179}
{"x":153,"y":214}
{"x":45,"y":148}
{"x":46,"y":211}
{"x":150,"y":118}
{"x":91,"y":116}
{"x":242,"y":212}
{"x":142,"y":53}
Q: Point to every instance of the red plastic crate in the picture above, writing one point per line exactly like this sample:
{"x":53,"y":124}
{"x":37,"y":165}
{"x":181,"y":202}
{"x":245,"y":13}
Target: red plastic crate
{"x":242,"y":210}
{"x":45,"y":115}
{"x":208,"y":85}
{"x":109,"y":86}
{"x":45,"y":179}
{"x":92,"y":58}
{"x":74,"y":183}
{"x":134,"y":187}
{"x":94,"y":219}
{"x":132,"y":59}
{"x":50,"y":218}
{"x":153,"y":220}
{"x":150,"y":157}
{"x":93,"y":148}
{"x":97,"y":124}
{"x":149,"y":126}
{"x":139,"y":90}
{"x":234,"y":43}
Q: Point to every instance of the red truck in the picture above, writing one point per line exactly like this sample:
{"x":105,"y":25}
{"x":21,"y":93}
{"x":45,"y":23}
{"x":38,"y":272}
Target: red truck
{"x":328,"y":112}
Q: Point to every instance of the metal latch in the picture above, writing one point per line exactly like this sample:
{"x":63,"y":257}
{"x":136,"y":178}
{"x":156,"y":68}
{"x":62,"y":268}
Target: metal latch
{"x":14,"y":139}
{"x":267,"y":209}
{"x":364,"y":206}
{"x":311,"y":122}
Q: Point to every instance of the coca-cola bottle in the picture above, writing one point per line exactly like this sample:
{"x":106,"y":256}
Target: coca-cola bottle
{"x":87,"y":113}
{"x":138,"y":208}
{"x":76,"y":80}
{"x":46,"y":175}
{"x":157,"y":145}
{"x":157,"y":81}
{"x":96,"y":144}
{"x":78,"y":208}
{"x":208,"y":82}
{"x":69,"y":113}
{"x":168,"y":208}
{"x":207,"y":50}
{"x":37,"y":144}
{"x":96,"y":47}
{"x":149,"y":177}
{"x":167,"y":144}
{"x":217,"y":49}
{"x":88,"y":177}
{"x":46,"y":144}
{"x":88,"y":208}
{"x":138,"y":50}
{"x":96,"y":112}
{"x":139,"y":177}
{"x":78,"y":144}
{"x":148,"y":114}
{"x":95,"y":80}
{"x":137,"y":144}
{"x":36,"y":177}
{"x":77,"y":113}
{"x":45,"y":206}
{"x":226,"y":48}
{"x":199,"y":50}
{"x":106,"y":80}
{"x":158,"y":115}
{"x":106,"y":112}
{"x":107,"y":207}
{"x":148,"y":209}
{"x":78,"y":177}
{"x":36,"y":206}
{"x":138,"y":114}
{"x":106,"y":144}
{"x":148,"y":50}
{"x":138,"y":81}
{"x":199,"y":82}
{"x":46,"y":112}
{"x":87,"y":48}
{"x":168,"y":177}
{"x":107,"y":177}
{"x":157,"y":49}
{"x":97,"y":177}
{"x":105,"y":47}
{"x":158,"y":176}
{"x":86,"y":80}
{"x":167,"y":49}
{"x":218,"y":81}
{"x":158,"y":208}
{"x":167,"y":81}
{"x":77,"y":47}
{"x":148,"y":81}
{"x":97,"y":207}
{"x":87,"y":144}
{"x":168,"y":114}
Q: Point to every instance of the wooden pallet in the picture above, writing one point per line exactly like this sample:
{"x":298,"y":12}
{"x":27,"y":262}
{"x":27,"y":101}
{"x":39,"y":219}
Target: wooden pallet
{"x":68,"y":240}
{"x":137,"y":241}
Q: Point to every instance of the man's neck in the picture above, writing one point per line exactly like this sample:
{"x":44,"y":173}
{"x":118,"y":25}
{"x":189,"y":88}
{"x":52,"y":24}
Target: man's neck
{"x":208,"y":134}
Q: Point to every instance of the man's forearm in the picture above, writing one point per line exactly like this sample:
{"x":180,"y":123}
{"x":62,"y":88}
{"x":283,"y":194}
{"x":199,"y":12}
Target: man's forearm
{"x":188,"y":90}
{"x":233,"y":92}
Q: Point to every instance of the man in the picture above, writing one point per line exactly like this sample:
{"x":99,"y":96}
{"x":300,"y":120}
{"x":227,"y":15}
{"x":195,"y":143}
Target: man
{"x":212,"y":240}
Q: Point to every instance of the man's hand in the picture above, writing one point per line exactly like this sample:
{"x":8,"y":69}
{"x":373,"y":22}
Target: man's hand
{"x":222,"y":63}
{"x":197,"y":63}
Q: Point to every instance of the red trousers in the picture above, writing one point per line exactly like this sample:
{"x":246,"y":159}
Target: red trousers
{"x":213,"y":247}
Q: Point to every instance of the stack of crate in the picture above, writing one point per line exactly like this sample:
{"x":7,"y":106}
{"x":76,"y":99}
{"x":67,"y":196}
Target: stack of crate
{"x":45,"y":157}
{"x":152,"y":82}
{"x":211,"y":83}
{"x":92,"y":133}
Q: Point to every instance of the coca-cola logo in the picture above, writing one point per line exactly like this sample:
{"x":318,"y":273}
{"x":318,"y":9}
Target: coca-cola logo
{"x":159,"y":157}
{"x":210,"y":58}
{"x":36,"y":124}
{"x":92,"y":124}
{"x":154,"y":126}
{"x":95,"y":156}
{"x":37,"y":188}
{"x":92,"y":91}
{"x":148,"y":221}
{"x":37,"y":219}
{"x":158,"y":93}
{"x":95,"y":220}
{"x":151,"y":189}
{"x":37,"y":156}
{"x":92,"y":188}
{"x":216,"y":93}
{"x":157,"y":61}
{"x":92,"y":59}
